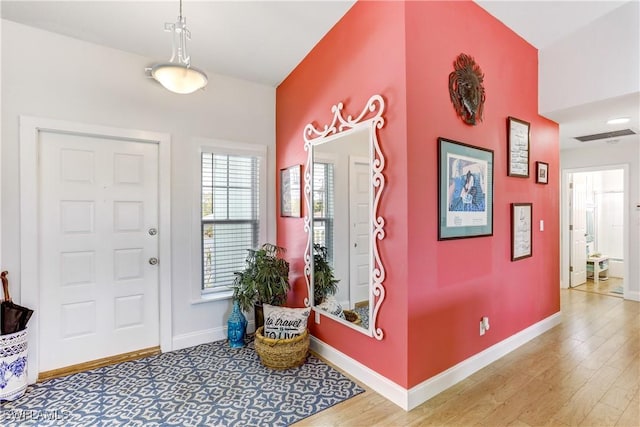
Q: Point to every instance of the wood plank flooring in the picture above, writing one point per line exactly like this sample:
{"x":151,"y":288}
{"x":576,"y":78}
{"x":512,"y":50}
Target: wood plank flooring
{"x":602,"y":287}
{"x":584,"y":372}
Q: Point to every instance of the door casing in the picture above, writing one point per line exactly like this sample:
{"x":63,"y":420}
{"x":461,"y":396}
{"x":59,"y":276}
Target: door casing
{"x":30,"y":128}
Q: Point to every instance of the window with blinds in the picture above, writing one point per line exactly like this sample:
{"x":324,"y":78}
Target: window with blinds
{"x":230,"y":216}
{"x":323,"y":206}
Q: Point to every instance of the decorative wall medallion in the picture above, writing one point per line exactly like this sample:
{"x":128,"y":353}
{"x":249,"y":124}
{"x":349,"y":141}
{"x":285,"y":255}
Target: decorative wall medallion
{"x":466,"y":89}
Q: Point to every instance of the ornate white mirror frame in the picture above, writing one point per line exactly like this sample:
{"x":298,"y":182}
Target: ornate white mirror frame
{"x":370,"y":118}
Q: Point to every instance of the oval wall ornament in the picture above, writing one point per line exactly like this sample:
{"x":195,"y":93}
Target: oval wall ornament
{"x":466,"y":89}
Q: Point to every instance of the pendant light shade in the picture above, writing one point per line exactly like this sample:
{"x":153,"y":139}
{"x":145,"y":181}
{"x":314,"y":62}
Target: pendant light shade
{"x":179,"y":78}
{"x":178,"y":75}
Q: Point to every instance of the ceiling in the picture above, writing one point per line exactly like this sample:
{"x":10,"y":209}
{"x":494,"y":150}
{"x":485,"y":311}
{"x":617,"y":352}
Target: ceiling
{"x":263,"y":41}
{"x":259,"y":41}
{"x":543,"y":23}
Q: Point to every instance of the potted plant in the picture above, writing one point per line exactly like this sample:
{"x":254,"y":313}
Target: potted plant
{"x":264,"y":280}
{"x":326,"y":284}
{"x":324,"y":281}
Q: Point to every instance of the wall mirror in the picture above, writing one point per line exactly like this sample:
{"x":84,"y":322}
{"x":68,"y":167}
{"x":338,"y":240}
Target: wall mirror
{"x":343,"y":183}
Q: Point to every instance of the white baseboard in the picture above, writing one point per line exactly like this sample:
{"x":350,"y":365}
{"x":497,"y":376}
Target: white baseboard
{"x":202,"y":337}
{"x":437,"y":384}
{"x":633,"y":296}
{"x":199,"y":337}
{"x":409,"y":399}
{"x":380,"y":384}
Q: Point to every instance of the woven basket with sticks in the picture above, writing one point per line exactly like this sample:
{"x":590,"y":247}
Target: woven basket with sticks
{"x":282,"y":353}
{"x":352,"y":316}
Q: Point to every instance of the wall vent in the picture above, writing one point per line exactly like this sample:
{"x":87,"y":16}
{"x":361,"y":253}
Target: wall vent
{"x":606,"y":135}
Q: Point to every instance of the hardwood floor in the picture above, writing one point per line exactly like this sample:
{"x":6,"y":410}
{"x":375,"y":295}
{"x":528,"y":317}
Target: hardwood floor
{"x":585,"y":371}
{"x":602,"y":287}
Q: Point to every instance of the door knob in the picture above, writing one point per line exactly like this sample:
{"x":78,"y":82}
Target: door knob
{"x":153,"y":261}
{"x":153,"y":231}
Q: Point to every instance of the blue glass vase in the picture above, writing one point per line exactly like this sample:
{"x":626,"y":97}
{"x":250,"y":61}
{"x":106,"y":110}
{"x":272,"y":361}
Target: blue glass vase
{"x":236,"y":327}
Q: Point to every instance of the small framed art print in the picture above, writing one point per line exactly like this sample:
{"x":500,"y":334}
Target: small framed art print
{"x":542,"y":173}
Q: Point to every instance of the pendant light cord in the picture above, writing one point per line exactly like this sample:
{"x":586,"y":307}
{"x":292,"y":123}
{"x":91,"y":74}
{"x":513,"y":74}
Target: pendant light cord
{"x":180,"y":9}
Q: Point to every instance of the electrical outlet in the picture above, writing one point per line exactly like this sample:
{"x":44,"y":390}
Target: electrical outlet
{"x":485,"y":323}
{"x":482,"y":329}
{"x":317,"y":317}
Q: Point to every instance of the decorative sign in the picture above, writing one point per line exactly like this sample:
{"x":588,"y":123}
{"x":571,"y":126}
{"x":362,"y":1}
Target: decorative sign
{"x":466,"y":89}
{"x":518,"y":139}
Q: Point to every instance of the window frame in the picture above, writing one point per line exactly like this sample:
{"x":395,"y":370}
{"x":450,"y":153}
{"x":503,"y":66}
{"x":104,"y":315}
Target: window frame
{"x":231,"y":148}
{"x":329,"y":201}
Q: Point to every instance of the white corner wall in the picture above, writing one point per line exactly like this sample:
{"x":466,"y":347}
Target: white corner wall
{"x":598,"y":157}
{"x":578,"y":69}
{"x":51,"y":76}
{"x":1,"y":264}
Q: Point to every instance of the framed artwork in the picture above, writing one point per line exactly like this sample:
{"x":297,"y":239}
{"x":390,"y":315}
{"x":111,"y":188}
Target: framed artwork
{"x":521,"y":243}
{"x":518,"y":138}
{"x":465,"y":190}
{"x":290,"y":191}
{"x":542,"y":173}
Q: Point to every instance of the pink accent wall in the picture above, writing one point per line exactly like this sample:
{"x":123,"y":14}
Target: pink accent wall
{"x":362,"y":55}
{"x":436,"y":291}
{"x":454,"y":283}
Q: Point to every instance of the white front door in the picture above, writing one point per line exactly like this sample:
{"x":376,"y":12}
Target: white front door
{"x":360,"y":230}
{"x":578,"y":231}
{"x":98,"y":220}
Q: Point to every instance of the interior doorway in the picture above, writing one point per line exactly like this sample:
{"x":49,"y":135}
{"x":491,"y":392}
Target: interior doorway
{"x":595,"y":242}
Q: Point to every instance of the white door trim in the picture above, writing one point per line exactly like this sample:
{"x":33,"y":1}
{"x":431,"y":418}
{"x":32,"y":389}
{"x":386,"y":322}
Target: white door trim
{"x":564,"y":222}
{"x":30,"y":127}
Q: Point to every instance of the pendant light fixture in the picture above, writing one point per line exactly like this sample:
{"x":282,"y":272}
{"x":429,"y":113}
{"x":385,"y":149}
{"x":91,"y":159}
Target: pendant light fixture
{"x":178,"y":75}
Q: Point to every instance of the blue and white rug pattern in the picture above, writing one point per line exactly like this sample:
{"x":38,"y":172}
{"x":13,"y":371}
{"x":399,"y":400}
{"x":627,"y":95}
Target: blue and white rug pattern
{"x":210,"y":384}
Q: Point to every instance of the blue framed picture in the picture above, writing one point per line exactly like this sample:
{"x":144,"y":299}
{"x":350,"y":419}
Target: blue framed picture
{"x":465,"y":190}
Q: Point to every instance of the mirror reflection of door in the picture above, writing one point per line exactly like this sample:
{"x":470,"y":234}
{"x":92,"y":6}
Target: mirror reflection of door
{"x":360,"y":231}
{"x":341,"y":195}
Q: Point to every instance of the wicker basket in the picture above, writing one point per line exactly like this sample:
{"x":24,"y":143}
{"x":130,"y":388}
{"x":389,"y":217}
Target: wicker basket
{"x":352,"y":316}
{"x":282,"y":353}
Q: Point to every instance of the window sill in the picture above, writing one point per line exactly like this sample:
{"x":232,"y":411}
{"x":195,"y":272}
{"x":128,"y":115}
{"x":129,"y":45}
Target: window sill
{"x":212,"y":296}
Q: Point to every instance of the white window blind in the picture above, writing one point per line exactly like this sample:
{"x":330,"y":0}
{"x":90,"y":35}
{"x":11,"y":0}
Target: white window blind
{"x":230,"y":216}
{"x":323,"y":206}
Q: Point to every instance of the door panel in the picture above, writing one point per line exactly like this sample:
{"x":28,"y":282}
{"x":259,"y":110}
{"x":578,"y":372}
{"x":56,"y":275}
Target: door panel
{"x":99,"y":294}
{"x":578,"y":258}
{"x":360,"y":220}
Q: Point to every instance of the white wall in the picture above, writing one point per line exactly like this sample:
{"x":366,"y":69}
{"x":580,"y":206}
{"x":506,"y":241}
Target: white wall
{"x":579,"y":68}
{"x":609,"y":204}
{"x":1,"y":265}
{"x":52,"y":76}
{"x":599,"y":157}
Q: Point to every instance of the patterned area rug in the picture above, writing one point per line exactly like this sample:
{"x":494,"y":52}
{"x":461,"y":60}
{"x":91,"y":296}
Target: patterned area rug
{"x":363,"y":312}
{"x":210,"y":384}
